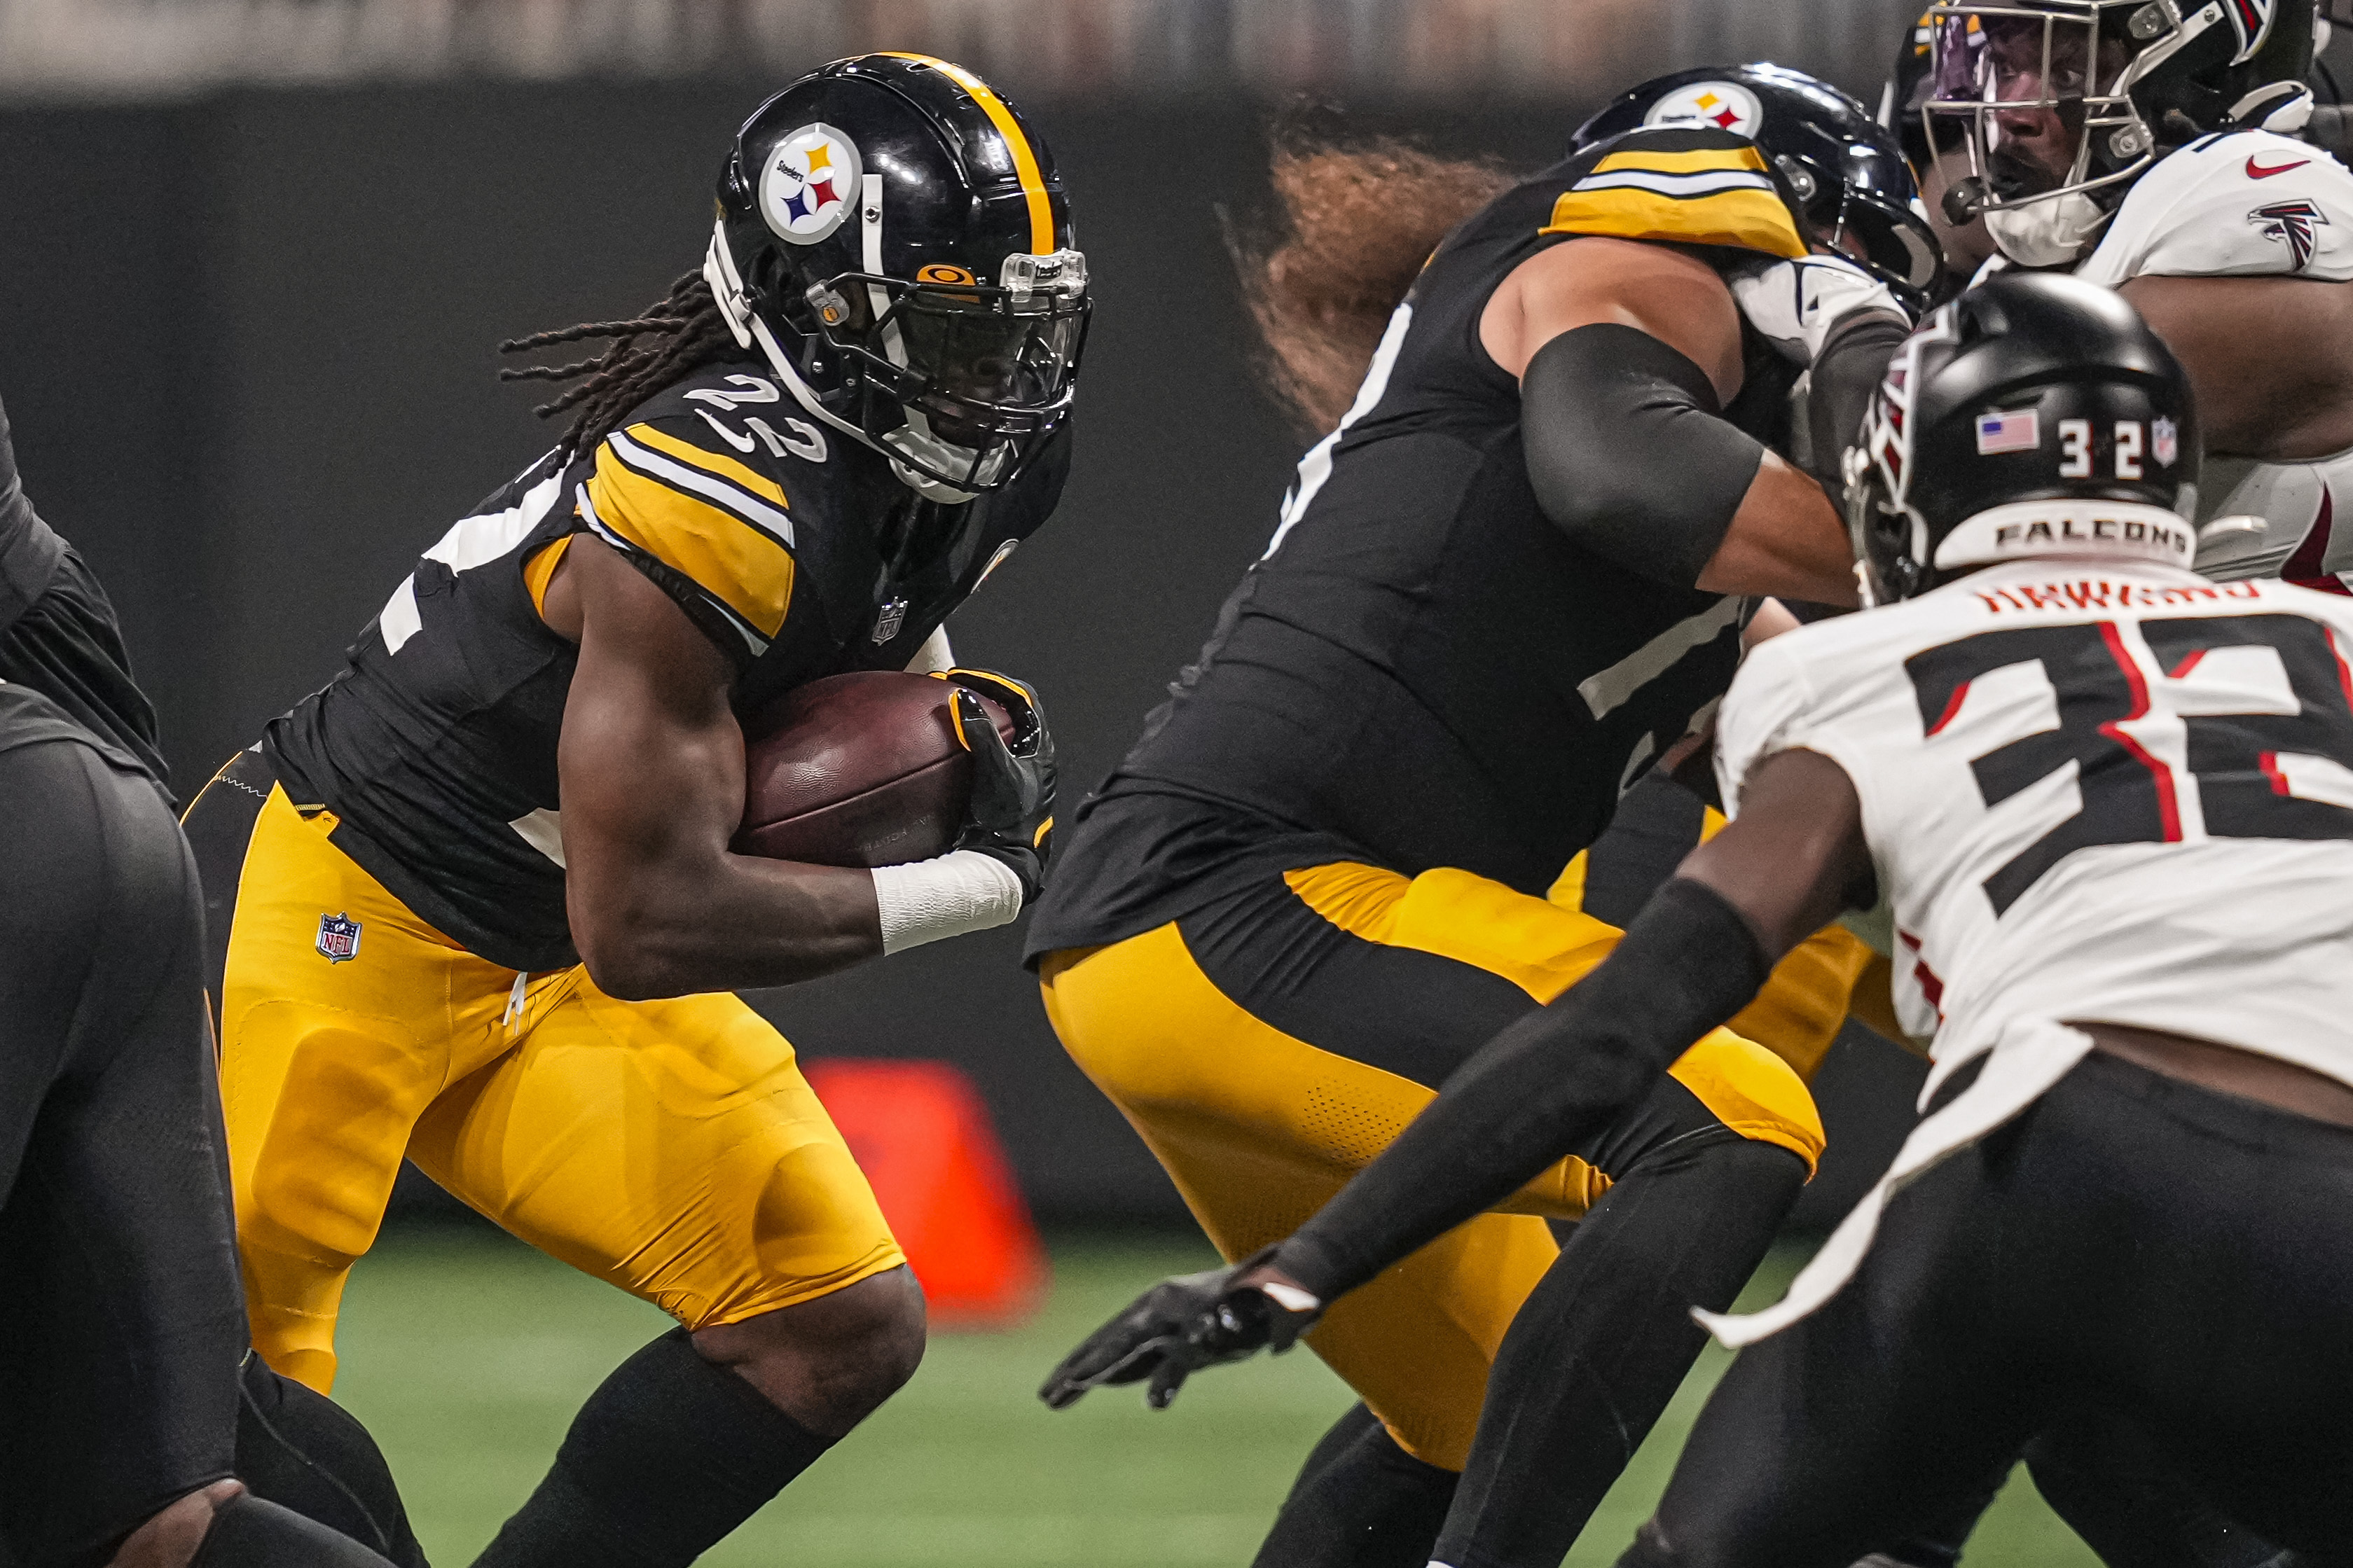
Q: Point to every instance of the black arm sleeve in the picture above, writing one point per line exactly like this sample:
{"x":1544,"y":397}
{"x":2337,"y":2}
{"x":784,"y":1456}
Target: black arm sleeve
{"x":1853,"y":361}
{"x":1539,"y":1089}
{"x":1629,"y":453}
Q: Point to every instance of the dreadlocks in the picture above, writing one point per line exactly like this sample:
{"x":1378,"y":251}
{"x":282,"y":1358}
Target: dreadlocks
{"x":686,"y":330}
{"x":1322,"y":274}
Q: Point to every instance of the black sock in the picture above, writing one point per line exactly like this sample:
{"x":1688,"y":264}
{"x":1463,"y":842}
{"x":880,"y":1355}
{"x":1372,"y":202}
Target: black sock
{"x":299,"y":1449}
{"x":669,"y":1455}
{"x":1603,"y":1342}
{"x":1369,"y":1505}
{"x":252,"y":1532}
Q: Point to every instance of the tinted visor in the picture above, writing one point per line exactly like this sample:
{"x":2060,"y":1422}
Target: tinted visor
{"x":1862,"y":208}
{"x":1892,"y":242}
{"x":986,"y":357}
{"x":964,"y":379}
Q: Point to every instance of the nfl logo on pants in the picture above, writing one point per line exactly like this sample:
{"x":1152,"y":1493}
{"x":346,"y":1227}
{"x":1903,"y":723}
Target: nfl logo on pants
{"x":339,"y":938}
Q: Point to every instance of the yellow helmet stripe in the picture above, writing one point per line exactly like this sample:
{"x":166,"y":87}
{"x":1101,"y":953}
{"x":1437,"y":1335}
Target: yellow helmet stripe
{"x":1025,"y":157}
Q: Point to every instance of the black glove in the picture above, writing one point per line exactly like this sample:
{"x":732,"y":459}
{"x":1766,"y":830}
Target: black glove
{"x":1012,"y":810}
{"x":1175,"y":1329}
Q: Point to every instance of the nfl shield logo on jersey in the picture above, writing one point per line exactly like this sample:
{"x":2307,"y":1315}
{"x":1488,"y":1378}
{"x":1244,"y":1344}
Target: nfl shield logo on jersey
{"x":339,"y":938}
{"x":2165,"y":441}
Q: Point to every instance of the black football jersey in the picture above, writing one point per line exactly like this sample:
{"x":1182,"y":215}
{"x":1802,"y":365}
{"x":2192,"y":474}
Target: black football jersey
{"x":793,"y":546}
{"x":58,"y":635}
{"x":1424,"y":670}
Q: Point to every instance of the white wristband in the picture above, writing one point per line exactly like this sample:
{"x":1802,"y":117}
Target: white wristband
{"x":962,"y":890}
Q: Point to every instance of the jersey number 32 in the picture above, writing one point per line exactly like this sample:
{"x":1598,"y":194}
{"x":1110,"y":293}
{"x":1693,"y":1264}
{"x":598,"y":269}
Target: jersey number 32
{"x":2258,"y":774}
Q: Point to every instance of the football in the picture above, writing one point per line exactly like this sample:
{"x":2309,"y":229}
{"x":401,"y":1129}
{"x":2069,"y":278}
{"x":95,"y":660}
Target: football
{"x":862,"y":769}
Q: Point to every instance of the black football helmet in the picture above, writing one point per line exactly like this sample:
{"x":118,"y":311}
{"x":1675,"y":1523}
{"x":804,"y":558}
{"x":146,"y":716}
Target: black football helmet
{"x":894,"y":237}
{"x":2130,"y":78}
{"x":1853,"y":188}
{"x":1906,"y":90}
{"x":2035,"y":415}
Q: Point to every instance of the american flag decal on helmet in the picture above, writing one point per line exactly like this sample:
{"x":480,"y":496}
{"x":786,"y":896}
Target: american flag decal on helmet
{"x":2015,"y":430}
{"x":2294,"y":224}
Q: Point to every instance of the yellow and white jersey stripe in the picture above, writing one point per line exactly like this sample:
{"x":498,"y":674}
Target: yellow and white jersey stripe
{"x":711,"y":516}
{"x":437,"y":748}
{"x":1684,"y":186}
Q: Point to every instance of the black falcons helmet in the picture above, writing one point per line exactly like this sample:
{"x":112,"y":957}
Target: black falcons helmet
{"x":895,"y":238}
{"x":2036,"y":415}
{"x":1847,"y":171}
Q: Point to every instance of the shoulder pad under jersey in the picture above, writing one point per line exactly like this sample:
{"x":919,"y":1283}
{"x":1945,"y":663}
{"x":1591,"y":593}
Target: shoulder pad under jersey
{"x":2245,"y":204}
{"x":702,"y":482}
{"x":1678,"y":183}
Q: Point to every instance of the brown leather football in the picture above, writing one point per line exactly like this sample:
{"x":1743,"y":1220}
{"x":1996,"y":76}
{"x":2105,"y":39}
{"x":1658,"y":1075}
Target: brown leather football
{"x":861,"y":769}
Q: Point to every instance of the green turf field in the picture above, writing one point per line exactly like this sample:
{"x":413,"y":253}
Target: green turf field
{"x":467,"y":1353}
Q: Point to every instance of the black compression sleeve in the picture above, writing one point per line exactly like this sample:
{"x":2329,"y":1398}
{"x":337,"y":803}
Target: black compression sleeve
{"x":1629,"y":453}
{"x":1853,"y":362}
{"x":1539,"y":1089}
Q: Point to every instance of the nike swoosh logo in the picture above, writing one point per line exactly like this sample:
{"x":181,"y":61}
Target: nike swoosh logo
{"x":2257,"y":172}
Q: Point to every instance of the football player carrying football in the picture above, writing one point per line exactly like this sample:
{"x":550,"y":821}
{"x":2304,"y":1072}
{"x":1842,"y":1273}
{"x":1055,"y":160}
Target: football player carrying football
{"x":2111,"y":804}
{"x":1508,"y":582}
{"x":474,"y":901}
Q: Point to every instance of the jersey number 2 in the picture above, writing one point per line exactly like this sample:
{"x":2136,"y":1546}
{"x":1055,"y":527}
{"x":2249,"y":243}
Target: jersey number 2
{"x":2128,"y":795}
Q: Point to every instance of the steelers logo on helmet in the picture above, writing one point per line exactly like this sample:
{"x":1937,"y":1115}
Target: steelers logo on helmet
{"x":810,"y":185}
{"x":1726,"y":105}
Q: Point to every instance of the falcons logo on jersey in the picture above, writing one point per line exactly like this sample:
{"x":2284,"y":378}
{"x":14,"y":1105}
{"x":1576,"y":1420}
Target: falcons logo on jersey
{"x":2293,"y":224}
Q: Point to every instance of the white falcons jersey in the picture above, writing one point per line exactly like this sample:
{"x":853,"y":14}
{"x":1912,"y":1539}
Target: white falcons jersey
{"x":2115,"y":793}
{"x":2248,"y":204}
{"x":2094,"y":788}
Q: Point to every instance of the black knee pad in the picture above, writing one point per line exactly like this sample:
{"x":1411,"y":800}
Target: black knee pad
{"x":299,"y":1449}
{"x":253,"y":1532}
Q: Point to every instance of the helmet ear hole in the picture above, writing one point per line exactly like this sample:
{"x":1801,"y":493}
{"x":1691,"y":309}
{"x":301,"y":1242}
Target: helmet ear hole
{"x":1892,"y":536}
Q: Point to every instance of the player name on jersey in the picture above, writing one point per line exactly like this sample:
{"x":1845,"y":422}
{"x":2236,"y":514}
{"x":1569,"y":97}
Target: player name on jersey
{"x":2046,"y":761}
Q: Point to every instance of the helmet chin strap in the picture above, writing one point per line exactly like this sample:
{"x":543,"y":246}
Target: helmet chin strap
{"x":2049,"y":232}
{"x":727,"y":287}
{"x":914,"y":440}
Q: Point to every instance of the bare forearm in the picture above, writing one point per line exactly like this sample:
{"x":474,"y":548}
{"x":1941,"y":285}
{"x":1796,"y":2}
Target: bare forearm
{"x":2268,"y":358}
{"x":650,"y":775}
{"x":1785,"y":539}
{"x":735,"y":923}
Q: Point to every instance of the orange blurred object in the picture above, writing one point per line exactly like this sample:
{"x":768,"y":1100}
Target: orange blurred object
{"x":925,"y":1139}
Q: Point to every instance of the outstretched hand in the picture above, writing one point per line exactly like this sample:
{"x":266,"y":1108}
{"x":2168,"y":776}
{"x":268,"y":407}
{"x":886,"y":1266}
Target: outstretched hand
{"x":1181,"y":1325}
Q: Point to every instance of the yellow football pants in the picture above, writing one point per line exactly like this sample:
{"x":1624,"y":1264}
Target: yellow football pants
{"x":670,"y":1147}
{"x":1258,"y":1129}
